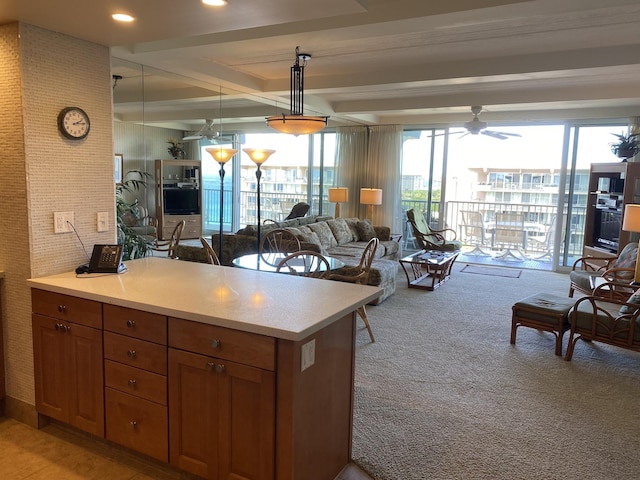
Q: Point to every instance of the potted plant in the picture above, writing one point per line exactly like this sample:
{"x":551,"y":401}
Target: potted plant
{"x":176,"y":148}
{"x":134,"y":245}
{"x":627,"y":145}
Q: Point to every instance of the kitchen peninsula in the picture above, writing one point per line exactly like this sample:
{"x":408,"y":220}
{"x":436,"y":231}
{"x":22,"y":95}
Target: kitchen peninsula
{"x":219,"y":371}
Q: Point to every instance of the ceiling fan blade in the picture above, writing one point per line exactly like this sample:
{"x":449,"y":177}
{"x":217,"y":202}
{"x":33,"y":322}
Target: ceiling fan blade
{"x":193,"y":137}
{"x":492,"y":134}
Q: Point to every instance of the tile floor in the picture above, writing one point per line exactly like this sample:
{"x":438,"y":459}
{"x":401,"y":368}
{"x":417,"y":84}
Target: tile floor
{"x":56,"y":452}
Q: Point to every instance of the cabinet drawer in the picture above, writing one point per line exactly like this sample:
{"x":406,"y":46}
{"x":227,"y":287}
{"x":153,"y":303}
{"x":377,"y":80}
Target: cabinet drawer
{"x":66,"y":307}
{"x":137,"y":424}
{"x":136,"y":323}
{"x":220,"y":342}
{"x":136,"y":353}
{"x":135,"y":381}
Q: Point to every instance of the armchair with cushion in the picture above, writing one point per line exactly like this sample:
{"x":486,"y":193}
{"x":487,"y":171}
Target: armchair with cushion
{"x":429,"y":239}
{"x":607,"y":316}
{"x":616,"y":269}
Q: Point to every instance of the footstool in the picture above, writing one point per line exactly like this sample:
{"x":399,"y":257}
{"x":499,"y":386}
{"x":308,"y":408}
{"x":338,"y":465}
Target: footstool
{"x":542,"y":311}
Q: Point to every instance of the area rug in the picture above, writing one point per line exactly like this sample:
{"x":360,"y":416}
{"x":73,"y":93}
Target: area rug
{"x":492,"y":271}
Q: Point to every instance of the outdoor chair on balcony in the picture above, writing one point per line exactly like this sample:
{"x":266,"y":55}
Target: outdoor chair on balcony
{"x":509,"y":234}
{"x":298,"y":210}
{"x":543,"y":245}
{"x":616,"y":269}
{"x":473,"y":231}
{"x":429,"y":239}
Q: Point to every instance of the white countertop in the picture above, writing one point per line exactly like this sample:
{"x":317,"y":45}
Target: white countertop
{"x":273,"y":304}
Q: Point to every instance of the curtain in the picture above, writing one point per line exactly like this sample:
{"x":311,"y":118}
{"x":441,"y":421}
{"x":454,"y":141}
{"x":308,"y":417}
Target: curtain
{"x":370,"y":157}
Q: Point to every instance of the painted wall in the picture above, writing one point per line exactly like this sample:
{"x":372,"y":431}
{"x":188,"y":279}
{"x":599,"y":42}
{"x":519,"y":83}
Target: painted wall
{"x":42,"y":172}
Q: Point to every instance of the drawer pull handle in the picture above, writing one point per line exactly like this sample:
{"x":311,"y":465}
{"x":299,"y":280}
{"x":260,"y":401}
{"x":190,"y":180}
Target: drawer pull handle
{"x":62,"y":308}
{"x":132,"y":383}
{"x":218,"y":368}
{"x":131,"y":353}
{"x":61,"y":327}
{"x":133,"y":424}
{"x":215,"y":343}
{"x":131,"y":324}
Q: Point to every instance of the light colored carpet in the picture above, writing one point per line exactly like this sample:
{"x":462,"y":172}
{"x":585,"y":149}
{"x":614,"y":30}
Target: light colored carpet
{"x":443,"y":395}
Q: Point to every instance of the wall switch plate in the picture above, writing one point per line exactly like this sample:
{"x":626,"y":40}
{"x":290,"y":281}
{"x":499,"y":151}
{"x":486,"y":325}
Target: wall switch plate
{"x":308,"y":355}
{"x":62,"y":222}
{"x":103,"y":221}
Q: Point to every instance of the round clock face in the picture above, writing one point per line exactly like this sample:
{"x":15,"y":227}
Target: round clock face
{"x":74,"y":123}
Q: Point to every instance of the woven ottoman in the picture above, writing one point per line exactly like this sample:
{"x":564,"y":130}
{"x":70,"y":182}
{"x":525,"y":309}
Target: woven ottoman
{"x":542,"y":311}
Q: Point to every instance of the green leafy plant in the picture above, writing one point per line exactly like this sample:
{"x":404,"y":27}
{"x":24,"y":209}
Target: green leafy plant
{"x":626,"y":146}
{"x":134,"y":245}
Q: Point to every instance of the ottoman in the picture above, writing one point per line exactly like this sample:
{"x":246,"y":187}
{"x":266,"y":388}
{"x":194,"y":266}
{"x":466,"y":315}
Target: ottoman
{"x":542,"y":311}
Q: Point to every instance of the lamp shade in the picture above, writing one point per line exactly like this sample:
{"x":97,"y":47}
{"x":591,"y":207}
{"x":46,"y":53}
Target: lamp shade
{"x":631,"y":222}
{"x":339,"y":194}
{"x":371,"y":196}
{"x":297,"y":124}
{"x":258,"y":155}
{"x":221,"y":155}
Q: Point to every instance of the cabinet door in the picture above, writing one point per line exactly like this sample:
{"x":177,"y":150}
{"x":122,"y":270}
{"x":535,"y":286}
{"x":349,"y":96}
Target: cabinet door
{"x":50,"y":369}
{"x":86,"y":379}
{"x":247,"y":422}
{"x":221,"y":418}
{"x":68,"y":373}
{"x":193,"y":413}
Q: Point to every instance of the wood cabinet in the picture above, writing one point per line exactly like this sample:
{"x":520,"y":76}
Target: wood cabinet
{"x":611,"y":187}
{"x":135,"y":362}
{"x":178,"y":197}
{"x":222,"y":412}
{"x":67,"y":344}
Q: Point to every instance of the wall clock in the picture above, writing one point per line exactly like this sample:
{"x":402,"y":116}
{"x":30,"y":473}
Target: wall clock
{"x":74,"y":123}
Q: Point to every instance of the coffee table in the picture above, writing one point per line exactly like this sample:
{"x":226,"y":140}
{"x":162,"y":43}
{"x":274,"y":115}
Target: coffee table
{"x":428,"y":269}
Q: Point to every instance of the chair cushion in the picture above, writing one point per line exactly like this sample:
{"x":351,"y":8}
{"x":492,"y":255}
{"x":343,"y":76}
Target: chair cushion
{"x":582,"y":279}
{"x":608,"y":323}
{"x":365,"y":230}
{"x":627,"y":257}
{"x":626,"y":309}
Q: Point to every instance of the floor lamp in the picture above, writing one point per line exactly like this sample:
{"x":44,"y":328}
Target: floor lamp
{"x":631,"y":223}
{"x":222,"y":156}
{"x":338,"y":195}
{"x":370,"y":197}
{"x":258,"y":156}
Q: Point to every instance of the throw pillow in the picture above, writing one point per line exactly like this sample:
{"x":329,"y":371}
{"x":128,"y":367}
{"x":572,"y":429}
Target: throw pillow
{"x":365,"y":230}
{"x":340,"y":230}
{"x":327,"y":240}
{"x":353,"y":226}
{"x":628,"y":310}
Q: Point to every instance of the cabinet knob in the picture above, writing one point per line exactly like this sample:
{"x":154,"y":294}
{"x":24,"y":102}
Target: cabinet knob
{"x":220,"y":368}
{"x":131,"y":324}
{"x":211,"y":365}
{"x":62,"y":308}
{"x":131,"y":353}
{"x":133,"y":424}
{"x":132,"y":383}
{"x":215,"y":343}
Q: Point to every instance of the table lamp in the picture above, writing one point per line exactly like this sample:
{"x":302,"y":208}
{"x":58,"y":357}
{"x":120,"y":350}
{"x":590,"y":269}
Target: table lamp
{"x":258,"y":156}
{"x":371,"y":197}
{"x":631,"y":223}
{"x":222,"y":156}
{"x":338,"y":195}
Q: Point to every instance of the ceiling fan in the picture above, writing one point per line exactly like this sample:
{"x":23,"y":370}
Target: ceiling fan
{"x":209,"y":132}
{"x":477,"y":126}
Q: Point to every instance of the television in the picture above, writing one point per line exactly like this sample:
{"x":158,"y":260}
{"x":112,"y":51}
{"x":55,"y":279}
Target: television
{"x":181,"y":201}
{"x":606,"y":232}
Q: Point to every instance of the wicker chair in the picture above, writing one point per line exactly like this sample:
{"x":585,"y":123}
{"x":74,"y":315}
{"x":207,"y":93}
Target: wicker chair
{"x":305,"y":263}
{"x":360,"y":275}
{"x":429,"y":239}
{"x":609,"y":316}
{"x":616,"y":269}
{"x":170,"y":246}
{"x":212,"y":258}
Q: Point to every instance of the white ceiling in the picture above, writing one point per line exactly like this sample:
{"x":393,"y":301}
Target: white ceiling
{"x":413,"y":62}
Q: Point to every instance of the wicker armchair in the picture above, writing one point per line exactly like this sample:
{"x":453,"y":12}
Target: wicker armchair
{"x":429,"y":239}
{"x":617,"y":269}
{"x":609,"y":316}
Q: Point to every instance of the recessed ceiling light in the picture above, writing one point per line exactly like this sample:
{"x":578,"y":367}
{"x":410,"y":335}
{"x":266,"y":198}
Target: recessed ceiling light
{"x":122,"y":17}
{"x":215,"y":3}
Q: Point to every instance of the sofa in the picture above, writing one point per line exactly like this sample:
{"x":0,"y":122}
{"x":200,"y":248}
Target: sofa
{"x":342,"y":238}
